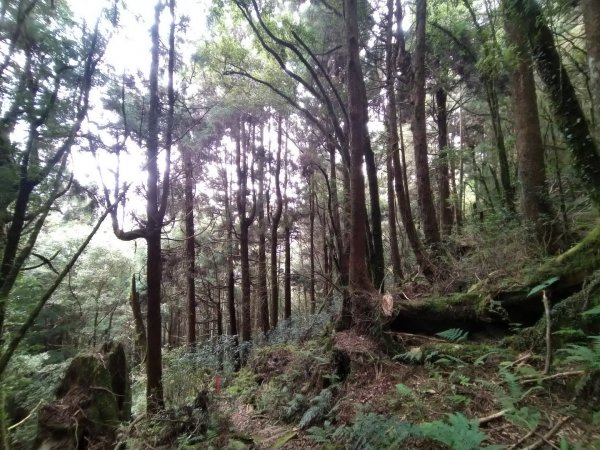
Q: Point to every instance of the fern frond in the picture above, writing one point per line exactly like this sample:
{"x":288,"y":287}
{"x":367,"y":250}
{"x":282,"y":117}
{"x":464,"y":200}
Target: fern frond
{"x":319,"y":407}
{"x":457,"y":432}
{"x":413,"y":356}
{"x":453,"y":335}
{"x":581,"y":354}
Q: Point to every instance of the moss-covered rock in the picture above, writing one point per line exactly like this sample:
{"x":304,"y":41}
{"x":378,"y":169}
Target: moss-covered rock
{"x":92,"y":399}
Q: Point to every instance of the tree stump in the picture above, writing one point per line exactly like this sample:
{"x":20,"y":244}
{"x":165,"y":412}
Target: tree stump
{"x":92,"y":399}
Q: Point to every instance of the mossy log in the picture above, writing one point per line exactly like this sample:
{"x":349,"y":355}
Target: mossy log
{"x":496,"y":308}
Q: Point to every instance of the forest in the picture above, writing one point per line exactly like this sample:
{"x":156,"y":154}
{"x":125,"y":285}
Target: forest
{"x":300,"y":224}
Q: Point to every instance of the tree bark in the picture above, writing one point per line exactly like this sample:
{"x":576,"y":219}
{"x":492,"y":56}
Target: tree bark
{"x":138,"y":320}
{"x":568,"y":114}
{"x":190,"y":247}
{"x":261,"y":286}
{"x":535,"y":202}
{"x":425,"y":196}
{"x":154,"y":388}
{"x":445,"y":208}
{"x":392,"y":143}
{"x":311,"y":219}
{"x":377,"y":258}
{"x":242,"y":145}
{"x":287,"y":271}
{"x":359,"y":278}
{"x":233,"y":328}
{"x":274,"y":230}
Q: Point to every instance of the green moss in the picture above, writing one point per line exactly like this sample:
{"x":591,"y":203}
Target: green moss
{"x":566,"y":315}
{"x":574,"y":265}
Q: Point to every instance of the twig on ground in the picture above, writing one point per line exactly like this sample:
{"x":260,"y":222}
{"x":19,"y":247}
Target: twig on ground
{"x":421,"y":336}
{"x":523,"y":439}
{"x":522,"y":359}
{"x":544,"y":439}
{"x":552,"y":377}
{"x":494,"y":416}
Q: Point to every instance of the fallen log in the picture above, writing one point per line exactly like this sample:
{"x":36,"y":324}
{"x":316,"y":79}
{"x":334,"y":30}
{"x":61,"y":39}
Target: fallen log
{"x":493,"y":307}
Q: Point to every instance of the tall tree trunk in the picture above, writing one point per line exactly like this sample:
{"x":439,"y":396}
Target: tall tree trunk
{"x":507,"y":191}
{"x":443,"y":176}
{"x":530,"y":149}
{"x":233,"y":329}
{"x":394,"y":248}
{"x":397,"y":143}
{"x":287,"y":270}
{"x":261,"y":286}
{"x":392,"y":141}
{"x":138,"y":321}
{"x":336,"y":222}
{"x":377,"y":257}
{"x":242,"y":145}
{"x":359,"y":140}
{"x":155,"y":210}
{"x":311,"y":220}
{"x":274,"y":229}
{"x":566,"y":108}
{"x":591,"y":21}
{"x":425,"y":196}
{"x":190,"y":247}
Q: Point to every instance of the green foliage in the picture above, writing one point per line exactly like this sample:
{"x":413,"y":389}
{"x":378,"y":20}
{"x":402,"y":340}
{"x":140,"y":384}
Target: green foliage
{"x":31,"y":379}
{"x":458,"y":400}
{"x":318,"y":409}
{"x":438,"y":358}
{"x":184,"y":376}
{"x":453,"y":335}
{"x":404,"y":391}
{"x":457,"y":432}
{"x":412,"y":356}
{"x":540,"y":287}
{"x":593,"y":312}
{"x":244,"y":386}
{"x":589,"y":357}
{"x":370,"y":431}
{"x":375,"y":431}
{"x":510,"y":394}
{"x":297,"y":404}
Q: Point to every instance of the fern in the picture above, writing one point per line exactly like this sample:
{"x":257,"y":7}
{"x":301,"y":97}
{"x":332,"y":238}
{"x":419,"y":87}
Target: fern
{"x":595,"y":311}
{"x":413,"y":356}
{"x":373,"y":431}
{"x":319,"y":407}
{"x":457,"y":432}
{"x":509,"y":394}
{"x":443,"y":359}
{"x":481,"y":360}
{"x":453,"y":335}
{"x":294,"y":406}
{"x":404,"y":391}
{"x":586,"y":356}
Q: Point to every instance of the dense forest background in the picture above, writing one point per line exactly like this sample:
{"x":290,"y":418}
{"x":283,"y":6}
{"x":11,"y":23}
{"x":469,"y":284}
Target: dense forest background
{"x":249,"y":188}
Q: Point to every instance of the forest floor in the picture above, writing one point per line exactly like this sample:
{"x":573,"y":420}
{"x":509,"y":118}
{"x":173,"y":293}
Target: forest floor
{"x":501,"y":392}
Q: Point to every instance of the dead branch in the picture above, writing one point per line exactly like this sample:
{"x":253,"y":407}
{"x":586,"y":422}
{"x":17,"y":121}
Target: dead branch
{"x":494,"y":416}
{"x":548,"y":435}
